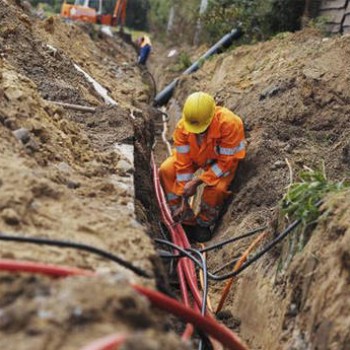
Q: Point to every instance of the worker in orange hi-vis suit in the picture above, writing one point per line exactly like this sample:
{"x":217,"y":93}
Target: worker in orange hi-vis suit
{"x":207,"y":137}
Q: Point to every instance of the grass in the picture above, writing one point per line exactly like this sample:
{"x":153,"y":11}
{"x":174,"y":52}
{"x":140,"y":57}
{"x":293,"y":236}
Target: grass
{"x":302,"y":202}
{"x":183,"y":62}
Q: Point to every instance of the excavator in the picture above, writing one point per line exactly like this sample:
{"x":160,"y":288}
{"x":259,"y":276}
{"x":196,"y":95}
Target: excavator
{"x":93,"y":11}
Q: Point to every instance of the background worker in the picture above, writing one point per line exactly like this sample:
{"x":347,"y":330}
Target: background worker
{"x":207,"y":137}
{"x":145,"y":48}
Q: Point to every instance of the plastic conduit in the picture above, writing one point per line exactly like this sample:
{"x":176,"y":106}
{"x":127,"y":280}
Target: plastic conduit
{"x":111,"y":342}
{"x":205,"y":324}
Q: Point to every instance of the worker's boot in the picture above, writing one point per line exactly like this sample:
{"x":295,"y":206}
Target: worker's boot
{"x":202,"y":233}
{"x":190,"y":232}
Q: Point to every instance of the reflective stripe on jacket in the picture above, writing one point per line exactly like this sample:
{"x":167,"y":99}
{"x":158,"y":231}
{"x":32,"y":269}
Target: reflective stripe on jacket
{"x":222,"y":147}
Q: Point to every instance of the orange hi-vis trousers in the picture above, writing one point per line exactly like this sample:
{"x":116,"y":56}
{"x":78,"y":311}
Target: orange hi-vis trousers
{"x":212,"y":199}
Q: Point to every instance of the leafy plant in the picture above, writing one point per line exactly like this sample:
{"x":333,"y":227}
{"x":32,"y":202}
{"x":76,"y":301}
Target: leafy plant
{"x":302,"y":198}
{"x":320,"y":23}
{"x":302,"y":202}
{"x":183,"y":62}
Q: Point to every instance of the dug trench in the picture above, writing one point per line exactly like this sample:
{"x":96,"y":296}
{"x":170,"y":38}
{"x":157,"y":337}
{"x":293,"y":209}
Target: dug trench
{"x":292,"y":93}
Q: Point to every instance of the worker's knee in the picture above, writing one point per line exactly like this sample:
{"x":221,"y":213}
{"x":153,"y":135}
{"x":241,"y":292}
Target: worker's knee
{"x":167,"y":169}
{"x":220,"y":188}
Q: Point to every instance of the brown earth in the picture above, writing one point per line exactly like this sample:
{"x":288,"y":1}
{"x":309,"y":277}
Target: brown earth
{"x":62,"y":177}
{"x":292,"y":93}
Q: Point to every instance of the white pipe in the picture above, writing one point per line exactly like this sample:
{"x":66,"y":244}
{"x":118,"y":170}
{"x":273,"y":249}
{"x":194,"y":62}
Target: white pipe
{"x":98,"y":87}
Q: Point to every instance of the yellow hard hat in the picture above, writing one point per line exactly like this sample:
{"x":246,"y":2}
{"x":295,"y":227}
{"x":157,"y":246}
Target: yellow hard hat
{"x":198,"y":112}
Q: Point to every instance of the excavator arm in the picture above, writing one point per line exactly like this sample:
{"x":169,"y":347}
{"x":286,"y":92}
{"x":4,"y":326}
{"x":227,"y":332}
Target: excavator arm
{"x":119,"y":14}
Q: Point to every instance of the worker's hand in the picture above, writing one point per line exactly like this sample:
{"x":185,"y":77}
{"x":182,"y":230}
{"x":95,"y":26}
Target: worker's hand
{"x":191,"y":187}
{"x":180,"y":212}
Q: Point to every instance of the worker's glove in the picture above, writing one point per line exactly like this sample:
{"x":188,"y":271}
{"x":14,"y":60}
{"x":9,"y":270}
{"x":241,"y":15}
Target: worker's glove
{"x":191,"y":187}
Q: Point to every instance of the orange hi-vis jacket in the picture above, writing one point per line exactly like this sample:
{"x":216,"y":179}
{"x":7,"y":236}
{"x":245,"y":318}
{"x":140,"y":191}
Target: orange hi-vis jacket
{"x":221,"y":149}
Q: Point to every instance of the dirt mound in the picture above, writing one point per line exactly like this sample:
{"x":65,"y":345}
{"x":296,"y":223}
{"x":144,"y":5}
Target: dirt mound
{"x":63,"y":178}
{"x":292,"y":93}
{"x":41,"y":313}
{"x":319,"y":283}
{"x":106,"y":126}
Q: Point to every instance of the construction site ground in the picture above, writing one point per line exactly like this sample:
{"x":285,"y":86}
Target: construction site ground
{"x":69,"y":174}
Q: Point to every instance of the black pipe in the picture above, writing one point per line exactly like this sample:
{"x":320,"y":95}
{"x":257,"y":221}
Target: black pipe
{"x":164,"y":96}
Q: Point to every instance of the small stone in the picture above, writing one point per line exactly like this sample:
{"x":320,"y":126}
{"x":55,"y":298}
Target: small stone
{"x":346,"y":154}
{"x":288,"y":148}
{"x":124,"y":167}
{"x":5,"y":319}
{"x":22,"y":135}
{"x":72,"y":184}
{"x":32,"y":146}
{"x":269,"y":92}
{"x":64,"y":167}
{"x":11,"y":124}
{"x":13,"y":93}
{"x":10,"y":216}
{"x":293,"y":310}
{"x":278,"y":164}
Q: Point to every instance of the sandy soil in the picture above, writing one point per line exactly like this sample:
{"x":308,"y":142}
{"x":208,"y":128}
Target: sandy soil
{"x":61,"y":177}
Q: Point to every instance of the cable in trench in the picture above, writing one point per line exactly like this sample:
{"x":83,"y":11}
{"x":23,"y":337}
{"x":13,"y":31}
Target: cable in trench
{"x":79,"y":246}
{"x":250,"y":261}
{"x":205,"y":324}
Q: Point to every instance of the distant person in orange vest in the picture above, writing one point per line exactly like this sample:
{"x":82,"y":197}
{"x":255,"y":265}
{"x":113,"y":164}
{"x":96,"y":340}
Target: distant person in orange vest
{"x":207,"y":137}
{"x":145,"y":47}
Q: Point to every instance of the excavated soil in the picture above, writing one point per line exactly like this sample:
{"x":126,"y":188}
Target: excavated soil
{"x":67,"y":174}
{"x":292,"y":93}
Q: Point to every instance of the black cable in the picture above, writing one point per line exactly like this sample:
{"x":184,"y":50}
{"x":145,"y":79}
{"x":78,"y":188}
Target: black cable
{"x":217,"y":245}
{"x":215,"y":277}
{"x":279,"y":238}
{"x":205,"y":288}
{"x":234,"y":239}
{"x":162,"y":231}
{"x":147,"y":72}
{"x":205,"y":279}
{"x":226,"y":265}
{"x":80,"y":246}
{"x":184,"y":253}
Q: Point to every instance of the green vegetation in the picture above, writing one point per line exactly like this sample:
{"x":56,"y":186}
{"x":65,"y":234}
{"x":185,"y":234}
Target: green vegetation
{"x":259,"y":19}
{"x":320,"y":23}
{"x":183,"y":62}
{"x":302,"y":198}
{"x":302,"y":201}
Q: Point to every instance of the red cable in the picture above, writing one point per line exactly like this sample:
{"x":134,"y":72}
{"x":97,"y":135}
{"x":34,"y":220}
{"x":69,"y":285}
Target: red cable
{"x":46,"y":269}
{"x":111,"y":342}
{"x":205,"y":324}
{"x":168,"y":221}
{"x":178,"y":237}
{"x":186,"y":268}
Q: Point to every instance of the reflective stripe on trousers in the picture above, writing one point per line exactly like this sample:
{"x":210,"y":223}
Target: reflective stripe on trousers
{"x":212,"y":199}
